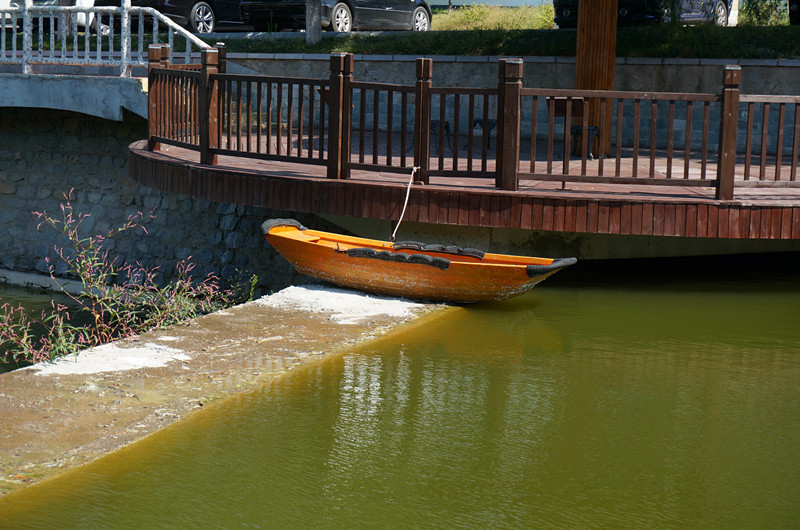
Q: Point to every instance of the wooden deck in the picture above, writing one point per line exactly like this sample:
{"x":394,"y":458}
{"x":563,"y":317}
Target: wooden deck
{"x":717,"y":169}
{"x":577,"y":207}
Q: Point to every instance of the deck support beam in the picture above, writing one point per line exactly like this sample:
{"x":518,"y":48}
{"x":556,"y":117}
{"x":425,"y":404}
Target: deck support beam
{"x":422,"y":118}
{"x":731,"y":77}
{"x":208,"y":111}
{"x":509,"y":121}
{"x":595,"y":56}
{"x":339,"y":104}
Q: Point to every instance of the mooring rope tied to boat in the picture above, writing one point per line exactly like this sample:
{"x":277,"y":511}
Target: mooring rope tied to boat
{"x":405,"y":203}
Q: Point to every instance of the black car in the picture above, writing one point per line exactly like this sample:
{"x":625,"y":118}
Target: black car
{"x":198,"y":16}
{"x":339,"y":15}
{"x":652,"y":11}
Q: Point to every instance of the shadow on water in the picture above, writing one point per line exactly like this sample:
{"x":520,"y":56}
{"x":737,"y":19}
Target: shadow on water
{"x":757,"y":272}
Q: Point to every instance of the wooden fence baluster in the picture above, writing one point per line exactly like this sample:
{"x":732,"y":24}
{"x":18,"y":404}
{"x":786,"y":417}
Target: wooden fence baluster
{"x":795,"y":142}
{"x":389,"y":125}
{"x":653,"y":136}
{"x":762,"y":168}
{"x":687,"y":150}
{"x":779,"y":142}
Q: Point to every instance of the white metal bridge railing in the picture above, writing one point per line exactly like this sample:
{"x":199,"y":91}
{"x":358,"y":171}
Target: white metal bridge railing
{"x":32,"y":34}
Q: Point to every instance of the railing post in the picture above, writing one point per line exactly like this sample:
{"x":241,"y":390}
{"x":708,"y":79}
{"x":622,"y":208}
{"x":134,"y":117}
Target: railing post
{"x":222,"y":54}
{"x":125,"y":60}
{"x":339,"y":109}
{"x":27,"y":36}
{"x":154,"y":92}
{"x":508,"y":124}
{"x":165,"y":53}
{"x":208,"y":118}
{"x":422,"y":119}
{"x":731,"y":77}
{"x":347,"y":115}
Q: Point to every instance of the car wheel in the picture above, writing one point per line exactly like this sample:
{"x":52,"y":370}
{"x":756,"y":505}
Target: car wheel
{"x":341,"y":18}
{"x":422,"y":21}
{"x":104,"y":29}
{"x":201,"y":18}
{"x":720,"y":14}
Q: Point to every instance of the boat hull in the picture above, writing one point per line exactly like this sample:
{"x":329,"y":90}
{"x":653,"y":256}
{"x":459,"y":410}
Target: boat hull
{"x":411,"y":270}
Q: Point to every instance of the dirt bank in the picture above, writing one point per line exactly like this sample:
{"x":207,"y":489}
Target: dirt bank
{"x":59,"y":416}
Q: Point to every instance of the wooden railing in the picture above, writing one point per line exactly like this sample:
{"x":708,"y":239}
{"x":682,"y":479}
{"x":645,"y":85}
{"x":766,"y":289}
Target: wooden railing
{"x":660,"y":156}
{"x":666,"y":139}
{"x":768,"y":157}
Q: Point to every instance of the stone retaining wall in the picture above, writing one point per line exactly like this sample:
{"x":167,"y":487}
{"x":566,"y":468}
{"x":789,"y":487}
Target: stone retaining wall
{"x":46,"y":154}
{"x":759,"y":76}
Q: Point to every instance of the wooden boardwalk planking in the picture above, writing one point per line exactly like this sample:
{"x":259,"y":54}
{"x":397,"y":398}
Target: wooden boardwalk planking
{"x":580,"y":208}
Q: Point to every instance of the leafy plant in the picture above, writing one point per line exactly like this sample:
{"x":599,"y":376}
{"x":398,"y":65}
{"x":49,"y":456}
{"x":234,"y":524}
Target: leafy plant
{"x":36,"y":339}
{"x":119,"y":300}
{"x":764,"y":13}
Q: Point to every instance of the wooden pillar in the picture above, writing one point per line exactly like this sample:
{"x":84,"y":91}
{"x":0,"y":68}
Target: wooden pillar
{"x":165,"y":53}
{"x":508,"y":123}
{"x":731,"y":77}
{"x":422,"y":119}
{"x":222,"y":55}
{"x":339,"y":114}
{"x":153,"y":95}
{"x":347,"y":115}
{"x":209,"y":116}
{"x":595,"y":54}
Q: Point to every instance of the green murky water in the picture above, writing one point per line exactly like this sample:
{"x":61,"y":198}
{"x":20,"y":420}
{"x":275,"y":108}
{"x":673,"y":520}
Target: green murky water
{"x":646,"y":397}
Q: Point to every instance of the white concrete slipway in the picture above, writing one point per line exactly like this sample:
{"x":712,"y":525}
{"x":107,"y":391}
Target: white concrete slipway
{"x":59,"y":415}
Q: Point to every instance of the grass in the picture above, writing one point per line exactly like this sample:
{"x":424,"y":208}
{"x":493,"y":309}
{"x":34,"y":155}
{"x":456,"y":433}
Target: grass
{"x":483,"y":17}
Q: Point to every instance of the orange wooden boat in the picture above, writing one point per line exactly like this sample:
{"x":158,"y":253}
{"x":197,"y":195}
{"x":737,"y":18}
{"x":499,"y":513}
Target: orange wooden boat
{"x":408,"y":269}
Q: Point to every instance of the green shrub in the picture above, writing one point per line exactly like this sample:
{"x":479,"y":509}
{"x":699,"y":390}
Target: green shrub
{"x":763,"y":13}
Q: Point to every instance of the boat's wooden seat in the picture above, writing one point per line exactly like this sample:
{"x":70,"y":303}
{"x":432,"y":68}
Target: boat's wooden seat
{"x":303,"y":236}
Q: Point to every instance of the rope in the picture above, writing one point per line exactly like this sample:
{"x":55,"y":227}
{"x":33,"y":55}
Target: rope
{"x":405,"y":203}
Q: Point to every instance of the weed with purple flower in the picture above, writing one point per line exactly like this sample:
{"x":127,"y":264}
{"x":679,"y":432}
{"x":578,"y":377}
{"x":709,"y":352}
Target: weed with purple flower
{"x":116,"y":300}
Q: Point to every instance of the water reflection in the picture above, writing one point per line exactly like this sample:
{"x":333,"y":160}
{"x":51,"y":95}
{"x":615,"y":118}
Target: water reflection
{"x":661,"y":405}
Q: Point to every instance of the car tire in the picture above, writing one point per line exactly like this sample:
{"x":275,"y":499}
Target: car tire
{"x":422,"y":20}
{"x":720,"y":13}
{"x":341,"y":19}
{"x":104,"y":29}
{"x":202,"y":18}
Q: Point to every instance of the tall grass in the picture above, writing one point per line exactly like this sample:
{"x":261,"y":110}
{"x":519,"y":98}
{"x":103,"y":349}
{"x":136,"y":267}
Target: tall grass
{"x":484,"y":17}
